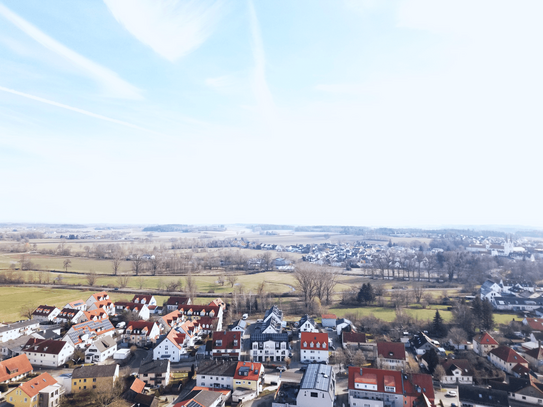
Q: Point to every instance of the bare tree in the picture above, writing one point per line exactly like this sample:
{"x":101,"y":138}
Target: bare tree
{"x":359,"y":359}
{"x":91,"y":278}
{"x":67,"y":263}
{"x":221,"y":280}
{"x":116,"y":262}
{"x":191,"y":287}
{"x":27,"y":310}
{"x":232,"y":279}
{"x":141,"y":282}
{"x":418,"y":292}
{"x":137,"y":264}
{"x":306,"y":283}
{"x":123,"y":281}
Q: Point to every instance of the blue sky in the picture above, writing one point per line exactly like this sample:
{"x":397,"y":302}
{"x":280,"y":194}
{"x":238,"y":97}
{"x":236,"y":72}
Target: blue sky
{"x":393,"y":113}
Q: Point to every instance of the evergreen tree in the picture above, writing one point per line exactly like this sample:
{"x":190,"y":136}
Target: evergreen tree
{"x":477,"y":308}
{"x":366,"y":294}
{"x":438,"y":326}
{"x":432,"y":359}
{"x":487,"y":320}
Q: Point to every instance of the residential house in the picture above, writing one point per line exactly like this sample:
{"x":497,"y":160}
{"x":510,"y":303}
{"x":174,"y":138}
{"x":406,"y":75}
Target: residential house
{"x":136,"y":310}
{"x":226,"y":345}
{"x":307,"y":324}
{"x":490,"y":289}
{"x":316,"y":389}
{"x":457,"y":371}
{"x":45,"y":313}
{"x":422,"y":343}
{"x":505,"y":358}
{"x":17,"y":329}
{"x":274,"y":313}
{"x":535,"y":358}
{"x":78,"y":304}
{"x":174,"y":302}
{"x":512,"y":303}
{"x":248,"y":381}
{"x":535,"y":323}
{"x":192,"y":331}
{"x":83,"y":334}
{"x":391,"y":355}
{"x":202,"y":398}
{"x":97,"y":314}
{"x":207,"y":325}
{"x":101,"y":349}
{"x":238,"y":326}
{"x":96,"y":377}
{"x":14,"y":369}
{"x":217,"y":375}
{"x":523,"y":390}
{"x":70,"y":316}
{"x":353,"y":340}
{"x":155,"y":372}
{"x":42,"y":390}
{"x":390,"y":388}
{"x":328,"y":320}
{"x":137,"y":397}
{"x":314,"y":347}
{"x":47,"y":352}
{"x":97,"y":297}
{"x":14,"y":347}
{"x":195,"y":312}
{"x":141,"y":333}
{"x":484,"y":343}
{"x":106,"y":305}
{"x":219,"y":303}
{"x":470,"y":396}
{"x":269,"y":326}
{"x":273,"y":347}
{"x":171,"y":346}
{"x":144,"y":299}
{"x":344,"y":325}
{"x":170,"y":321}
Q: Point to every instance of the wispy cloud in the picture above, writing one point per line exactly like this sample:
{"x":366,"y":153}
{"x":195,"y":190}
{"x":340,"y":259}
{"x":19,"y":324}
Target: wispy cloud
{"x":73,"y":109}
{"x":112,"y":84}
{"x":170,"y":27}
{"x":260,"y":85}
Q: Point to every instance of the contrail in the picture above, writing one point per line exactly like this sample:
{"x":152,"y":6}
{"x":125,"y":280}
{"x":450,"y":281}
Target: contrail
{"x":73,"y":109}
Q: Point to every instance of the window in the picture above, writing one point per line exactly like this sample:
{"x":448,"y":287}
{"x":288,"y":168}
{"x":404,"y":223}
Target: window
{"x":314,"y":394}
{"x":94,"y":379}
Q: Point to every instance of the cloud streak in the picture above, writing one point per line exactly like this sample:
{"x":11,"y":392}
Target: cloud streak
{"x":73,"y":109}
{"x":111,"y":83}
{"x":171,"y":28}
{"x":260,"y":85}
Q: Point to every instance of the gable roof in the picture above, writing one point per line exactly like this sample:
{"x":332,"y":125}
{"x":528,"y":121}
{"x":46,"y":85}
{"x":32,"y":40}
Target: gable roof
{"x":508,"y":355}
{"x":76,"y":303}
{"x":328,"y":316}
{"x":98,"y":312}
{"x":172,"y":318}
{"x":176,"y":338}
{"x":453,"y":364}
{"x":305,"y":319}
{"x":155,"y":366}
{"x":48,"y":346}
{"x":131,"y":306}
{"x":85,"y":372}
{"x":140,"y":297}
{"x":100,"y":327}
{"x":227,"y":339}
{"x":200,"y":398}
{"x":248,"y":371}
{"x":535,"y":323}
{"x":68,"y":313}
{"x":485,"y":339}
{"x":482,"y":396}
{"x":282,"y":337}
{"x":536,"y":353}
{"x":44,"y":310}
{"x":101,"y":296}
{"x":377,"y":377}
{"x":14,"y":367}
{"x":104,"y":343}
{"x":140,"y":327}
{"x":137,"y":386}
{"x":310,"y":340}
{"x":225,"y":368}
{"x":317,"y":377}
{"x":353,"y":337}
{"x":391,"y":350}
{"x":176,"y":300}
{"x":415,"y":383}
{"x":33,"y":386}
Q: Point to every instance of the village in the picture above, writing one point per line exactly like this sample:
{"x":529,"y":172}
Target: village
{"x":139,"y":353}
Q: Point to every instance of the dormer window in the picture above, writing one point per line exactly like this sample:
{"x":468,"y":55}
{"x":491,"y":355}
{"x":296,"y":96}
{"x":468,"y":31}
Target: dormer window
{"x":305,"y":344}
{"x":311,"y":345}
{"x":218,"y":342}
{"x":318,"y":345}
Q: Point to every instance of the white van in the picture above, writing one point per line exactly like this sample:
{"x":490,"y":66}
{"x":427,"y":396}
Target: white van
{"x":245,"y":316}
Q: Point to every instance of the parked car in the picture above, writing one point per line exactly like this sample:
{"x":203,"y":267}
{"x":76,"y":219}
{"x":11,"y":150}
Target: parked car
{"x":451,"y":393}
{"x":245,"y":316}
{"x":303,"y":368}
{"x":281,"y":368}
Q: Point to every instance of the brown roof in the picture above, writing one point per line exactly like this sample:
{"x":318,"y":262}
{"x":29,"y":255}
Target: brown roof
{"x":328,"y":316}
{"x":227,"y":338}
{"x":535,"y":323}
{"x":49,"y":346}
{"x":143,"y":326}
{"x":44,"y":310}
{"x":129,"y":305}
{"x":33,"y":386}
{"x":85,"y":372}
{"x":14,"y":367}
{"x":354,"y":337}
{"x":391,"y":350}
{"x":177,"y":300}
{"x":68,"y":313}
{"x":508,"y":355}
{"x":536,"y":353}
{"x":453,"y":364}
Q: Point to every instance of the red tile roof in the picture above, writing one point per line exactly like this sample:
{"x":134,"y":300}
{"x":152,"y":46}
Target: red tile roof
{"x":14,"y":367}
{"x":485,"y":339}
{"x":328,"y":316}
{"x":176,"y":338}
{"x":391,"y":350}
{"x":33,"y":386}
{"x":198,"y":309}
{"x":140,"y":297}
{"x":99,"y":312}
{"x":227,"y":339}
{"x":172,"y":318}
{"x":508,"y":355}
{"x":535,"y":323}
{"x":130,"y":306}
{"x":138,"y":385}
{"x":100,"y":296}
{"x":521,"y":370}
{"x":416,"y":381}
{"x":44,"y":310}
{"x":318,"y":340}
{"x":377,"y":377}
{"x":536,"y":353}
{"x":253,"y":373}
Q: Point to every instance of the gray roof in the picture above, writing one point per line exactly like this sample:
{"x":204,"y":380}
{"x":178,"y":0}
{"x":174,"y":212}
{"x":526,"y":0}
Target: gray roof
{"x":317,"y":377}
{"x":87,"y":328}
{"x":206,"y":398}
{"x":517,"y":301}
{"x":482,"y":396}
{"x":222,"y":368}
{"x":85,"y":372}
{"x":269,"y":337}
{"x":486,"y":287}
{"x":306,"y":318}
{"x":18,"y":325}
{"x":274,"y":310}
{"x":104,"y":343}
{"x":155,"y":366}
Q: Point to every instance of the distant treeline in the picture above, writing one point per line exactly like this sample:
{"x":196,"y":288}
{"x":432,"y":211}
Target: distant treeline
{"x":184,"y":228}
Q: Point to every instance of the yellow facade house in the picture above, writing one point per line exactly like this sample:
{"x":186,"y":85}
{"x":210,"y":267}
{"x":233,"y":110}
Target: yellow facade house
{"x":96,"y":377}
{"x":28,"y":394}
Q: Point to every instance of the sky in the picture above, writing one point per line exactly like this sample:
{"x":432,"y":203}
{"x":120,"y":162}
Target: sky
{"x":309,"y":112}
